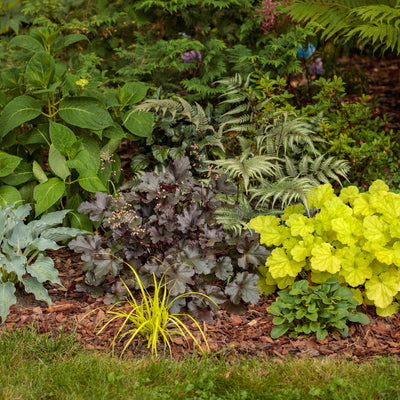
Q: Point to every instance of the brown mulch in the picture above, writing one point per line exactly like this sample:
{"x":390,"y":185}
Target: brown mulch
{"x":228,"y":334}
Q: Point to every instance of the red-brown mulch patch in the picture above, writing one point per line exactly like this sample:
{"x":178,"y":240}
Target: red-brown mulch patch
{"x":231,"y":334}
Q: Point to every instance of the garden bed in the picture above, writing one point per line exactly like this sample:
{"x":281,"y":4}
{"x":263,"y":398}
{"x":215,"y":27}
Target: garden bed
{"x":228,"y":333}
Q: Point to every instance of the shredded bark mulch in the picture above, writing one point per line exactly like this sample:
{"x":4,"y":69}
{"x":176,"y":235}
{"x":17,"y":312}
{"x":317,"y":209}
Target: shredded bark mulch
{"x":228,"y":334}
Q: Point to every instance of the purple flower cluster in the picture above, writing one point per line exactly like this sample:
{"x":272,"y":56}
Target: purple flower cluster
{"x":191,"y":56}
{"x":316,"y":68}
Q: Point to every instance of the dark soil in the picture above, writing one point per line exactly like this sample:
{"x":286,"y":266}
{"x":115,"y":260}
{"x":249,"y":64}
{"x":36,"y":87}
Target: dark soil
{"x":246,"y":334}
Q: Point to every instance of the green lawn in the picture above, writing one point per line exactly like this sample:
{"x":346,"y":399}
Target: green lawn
{"x":44,"y":367}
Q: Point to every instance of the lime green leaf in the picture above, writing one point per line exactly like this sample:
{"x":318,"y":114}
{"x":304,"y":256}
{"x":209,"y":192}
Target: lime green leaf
{"x":382,"y":288}
{"x":48,"y":193}
{"x":348,"y":230}
{"x":7,"y":299}
{"x":318,"y":196}
{"x":300,"y":225}
{"x":376,"y":230}
{"x":378,"y":187}
{"x":18,"y":111}
{"x":362,"y":206}
{"x":85,"y":112}
{"x":388,"y":311}
{"x":274,"y":235}
{"x":348,"y":194}
{"x":323,"y":260}
{"x":291,"y":210}
{"x":263,"y":222}
{"x":281,"y":265}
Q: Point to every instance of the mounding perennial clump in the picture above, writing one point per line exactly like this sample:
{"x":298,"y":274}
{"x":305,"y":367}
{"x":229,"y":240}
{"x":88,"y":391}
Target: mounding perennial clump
{"x":354,"y":237}
{"x":166,"y":224}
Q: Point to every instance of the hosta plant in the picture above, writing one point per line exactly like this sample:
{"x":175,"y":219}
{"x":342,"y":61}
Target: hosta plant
{"x":170,"y":217}
{"x":306,"y":309}
{"x":352,"y":236}
{"x":151,"y":318}
{"x":22,"y":257}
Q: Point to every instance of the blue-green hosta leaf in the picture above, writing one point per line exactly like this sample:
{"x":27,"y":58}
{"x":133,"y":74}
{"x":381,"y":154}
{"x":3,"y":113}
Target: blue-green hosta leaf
{"x":19,"y":110}
{"x":32,"y":285}
{"x":21,"y":236}
{"x":62,"y":233}
{"x":244,"y":287}
{"x":48,"y":220}
{"x":7,"y":299}
{"x":16,"y":264}
{"x":20,"y":212}
{"x":43,"y":270}
{"x":43,"y":244}
{"x":48,"y":193}
{"x":9,"y":195}
{"x":85,"y":112}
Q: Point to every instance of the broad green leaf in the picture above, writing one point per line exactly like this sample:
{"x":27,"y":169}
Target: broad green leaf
{"x":89,"y":181}
{"x":378,"y":187}
{"x":26,"y":42}
{"x":18,"y":111}
{"x":362,"y":206}
{"x":85,"y":112}
{"x":139,"y":123}
{"x":9,"y":195}
{"x":263,"y":222}
{"x":300,"y":225}
{"x":8,"y":163}
{"x":48,"y":193}
{"x":278,"y":331}
{"x":388,"y":311}
{"x":323,"y":260}
{"x":114,"y":132}
{"x":38,"y":135}
{"x":32,"y":285}
{"x":131,"y":93}
{"x":358,"y":317}
{"x":80,"y":221}
{"x":62,"y":138}
{"x":21,"y":236}
{"x":7,"y":299}
{"x":38,"y":172}
{"x":348,"y":194}
{"x":40,"y":70}
{"x":43,"y":270}
{"x":355,"y":266}
{"x":274,"y":235}
{"x":382,"y":289}
{"x":376,"y":230}
{"x":281,"y":265}
{"x":17,"y":265}
{"x":57,"y":163}
{"x":318,"y":196}
{"x":63,"y":41}
{"x":21,"y":174}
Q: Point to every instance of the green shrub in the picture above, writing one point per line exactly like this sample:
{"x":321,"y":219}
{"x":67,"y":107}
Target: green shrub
{"x":353,"y":236}
{"x":305,"y":309}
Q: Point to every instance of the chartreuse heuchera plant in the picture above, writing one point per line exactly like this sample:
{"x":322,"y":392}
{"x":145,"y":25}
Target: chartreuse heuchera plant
{"x":354,"y":237}
{"x":305,"y":309}
{"x":22,"y":256}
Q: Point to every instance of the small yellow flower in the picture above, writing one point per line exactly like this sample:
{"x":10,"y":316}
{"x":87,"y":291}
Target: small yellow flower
{"x":82,"y":82}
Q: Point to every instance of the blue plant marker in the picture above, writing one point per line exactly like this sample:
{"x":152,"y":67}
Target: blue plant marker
{"x":302,"y":53}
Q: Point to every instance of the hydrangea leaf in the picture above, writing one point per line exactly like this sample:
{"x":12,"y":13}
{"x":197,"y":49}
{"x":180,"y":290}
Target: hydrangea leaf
{"x":323,"y":260}
{"x":281,"y":265}
{"x":382,"y":288}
